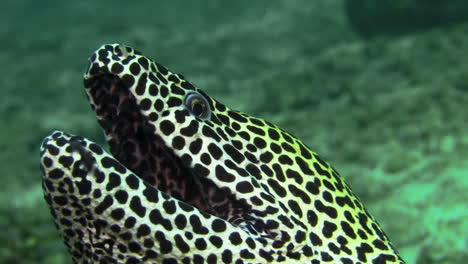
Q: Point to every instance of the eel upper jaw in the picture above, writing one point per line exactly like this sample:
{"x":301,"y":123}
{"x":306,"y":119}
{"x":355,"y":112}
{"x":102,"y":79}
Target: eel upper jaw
{"x":136,"y":144}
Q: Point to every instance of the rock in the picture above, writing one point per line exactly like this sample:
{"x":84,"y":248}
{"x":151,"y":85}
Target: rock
{"x":371,"y":18}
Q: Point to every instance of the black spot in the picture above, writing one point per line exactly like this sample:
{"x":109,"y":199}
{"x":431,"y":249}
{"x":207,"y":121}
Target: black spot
{"x":305,"y":153}
{"x":173,"y":78}
{"x":384,"y":259}
{"x":218,"y":225}
{"x":114,"y":181}
{"x":157,"y":219}
{"x":84,"y":187}
{"x":174,"y":101}
{"x":266,"y":169}
{"x":54,"y":151}
{"x":253,"y":170}
{"x":141,"y":85}
{"x":226,"y":256}
{"x":159,"y":105}
{"x":134,"y":246}
{"x":200,"y":244}
{"x":208,"y":132}
{"x":150,"y":194}
{"x":128,"y":80}
{"x":117,"y":214}
{"x":167,"y":127}
{"x":164,"y":91}
{"x":329,"y":185}
{"x":197,"y":226}
{"x":60,"y":200}
{"x":256,"y":130}
{"x":223,"y":175}
{"x":216,"y":241}
{"x":259,"y":142}
{"x":244,"y":135}
{"x":169,"y":207}
{"x":130,"y":222}
{"x":56,"y":174}
{"x":299,"y":193}
{"x":132,"y":181}
{"x":153,"y":89}
{"x":195,"y":146}
{"x":162,"y":69}
{"x":327,"y":196}
{"x":165,"y":246}
{"x":329,"y":210}
{"x":283,"y":159}
{"x":135,"y":68}
{"x":363,"y":250}
{"x":205,"y":158}
{"x":190,"y":130}
{"x":325,"y":256}
{"x":288,"y":147}
{"x":316,"y":241}
{"x":233,"y":153}
{"x":246,"y":254}
{"x":180,"y":221}
{"x":117,"y":68}
{"x":187,"y":85}
{"x":266,"y":157}
{"x":294,"y":206}
{"x":177,"y":90}
{"x":378,"y":231}
{"x":96,"y":149}
{"x":215,"y":151}
{"x":66,"y":161}
{"x":180,"y":243}
{"x":312,"y":218}
{"x":143,"y":62}
{"x":277,"y":187}
{"x":292,"y":174}
{"x":47,"y":162}
{"x":273,"y":134}
{"x":222,"y":134}
{"x":304,"y":166}
{"x":379,"y":244}
{"x":136,"y":206}
{"x":201,"y":170}
{"x":314,"y":187}
{"x":287,"y":137}
{"x":235,"y":238}
{"x":244,"y":187}
{"x":178,"y":142}
{"x":143,"y":230}
{"x":250,"y":157}
{"x":111,"y":163}
{"x":321,"y":171}
{"x":236,"y":116}
{"x":275,"y":148}
{"x":145,"y":104}
{"x":348,"y":230}
{"x":106,"y":203}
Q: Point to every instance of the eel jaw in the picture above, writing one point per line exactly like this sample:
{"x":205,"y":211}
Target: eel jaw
{"x":135,"y":143}
{"x":102,"y":209}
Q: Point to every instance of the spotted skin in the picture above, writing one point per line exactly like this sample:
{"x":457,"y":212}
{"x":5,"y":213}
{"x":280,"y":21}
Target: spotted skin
{"x":193,"y":181}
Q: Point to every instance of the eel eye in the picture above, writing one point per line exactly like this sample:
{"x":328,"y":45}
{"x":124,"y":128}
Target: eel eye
{"x":198,"y":106}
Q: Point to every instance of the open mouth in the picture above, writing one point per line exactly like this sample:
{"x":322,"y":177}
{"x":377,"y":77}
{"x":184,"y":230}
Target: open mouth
{"x":134,"y":142}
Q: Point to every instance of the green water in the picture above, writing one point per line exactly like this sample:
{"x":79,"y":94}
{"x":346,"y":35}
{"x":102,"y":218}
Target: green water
{"x":387,"y":108}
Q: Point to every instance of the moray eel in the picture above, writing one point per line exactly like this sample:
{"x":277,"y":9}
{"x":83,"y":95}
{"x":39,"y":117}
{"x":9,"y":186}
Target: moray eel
{"x":193,"y":181}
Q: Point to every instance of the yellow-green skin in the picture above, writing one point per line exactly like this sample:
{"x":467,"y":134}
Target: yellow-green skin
{"x":232,"y":188}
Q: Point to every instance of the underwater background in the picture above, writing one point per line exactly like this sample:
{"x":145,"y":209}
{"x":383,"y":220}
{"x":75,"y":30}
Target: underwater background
{"x":378,"y":88}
